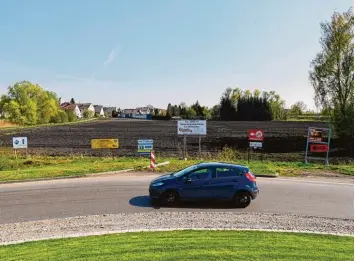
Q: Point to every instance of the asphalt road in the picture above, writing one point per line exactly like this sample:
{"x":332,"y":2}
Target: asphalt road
{"x":127,"y":193}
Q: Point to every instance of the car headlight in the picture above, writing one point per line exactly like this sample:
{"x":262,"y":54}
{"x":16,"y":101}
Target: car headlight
{"x":157,"y":184}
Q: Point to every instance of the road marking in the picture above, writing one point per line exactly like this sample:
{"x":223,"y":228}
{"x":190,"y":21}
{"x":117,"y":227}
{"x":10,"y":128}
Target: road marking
{"x":308,"y":181}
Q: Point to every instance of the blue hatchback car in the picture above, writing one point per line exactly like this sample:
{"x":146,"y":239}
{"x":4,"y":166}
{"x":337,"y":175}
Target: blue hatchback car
{"x":206,"y":181}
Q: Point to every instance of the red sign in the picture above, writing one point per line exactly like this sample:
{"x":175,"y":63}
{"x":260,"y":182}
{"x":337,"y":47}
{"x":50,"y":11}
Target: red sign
{"x":256,"y":135}
{"x":319,"y":148}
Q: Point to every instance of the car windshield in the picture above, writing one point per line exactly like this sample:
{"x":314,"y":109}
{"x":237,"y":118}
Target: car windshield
{"x":182,"y":172}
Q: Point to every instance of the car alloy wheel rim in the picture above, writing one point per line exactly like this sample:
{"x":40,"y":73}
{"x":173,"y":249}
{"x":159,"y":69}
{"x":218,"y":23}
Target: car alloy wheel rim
{"x":243,"y":199}
{"x":170,"y":197}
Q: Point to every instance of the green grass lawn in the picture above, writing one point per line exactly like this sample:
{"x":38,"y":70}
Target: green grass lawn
{"x":38,"y":167}
{"x":186,"y":245}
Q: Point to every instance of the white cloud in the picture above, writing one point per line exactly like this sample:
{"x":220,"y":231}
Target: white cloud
{"x":111,"y":57}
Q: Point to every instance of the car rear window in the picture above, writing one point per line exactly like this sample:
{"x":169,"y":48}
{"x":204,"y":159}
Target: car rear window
{"x":228,"y":172}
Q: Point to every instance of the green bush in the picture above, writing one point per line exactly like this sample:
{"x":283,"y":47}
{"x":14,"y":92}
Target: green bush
{"x":55,"y":119}
{"x":63,"y":116}
{"x":71,"y":116}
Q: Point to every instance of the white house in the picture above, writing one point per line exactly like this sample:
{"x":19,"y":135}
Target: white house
{"x":86,"y":107}
{"x":99,"y":110}
{"x":73,"y":107}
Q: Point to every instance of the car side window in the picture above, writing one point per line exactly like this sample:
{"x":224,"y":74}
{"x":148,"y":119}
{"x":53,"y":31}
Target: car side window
{"x":200,"y":174}
{"x":228,"y":172}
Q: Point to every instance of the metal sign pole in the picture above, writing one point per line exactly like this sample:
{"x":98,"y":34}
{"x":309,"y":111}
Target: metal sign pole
{"x":185,"y":150}
{"x":199,"y":145}
{"x":327,"y":155}
{"x":307,"y":144}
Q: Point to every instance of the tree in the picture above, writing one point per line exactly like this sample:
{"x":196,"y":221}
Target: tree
{"x":332,"y":71}
{"x":88,"y":114}
{"x":71,"y":116}
{"x":63,"y":116}
{"x":298,"y":108}
{"x":215,"y":112}
{"x":277,"y":105}
{"x":227,"y":106}
{"x":169,"y":111}
{"x":190,"y":113}
{"x":253,"y":109}
{"x":72,"y":101}
{"x":28,"y":104}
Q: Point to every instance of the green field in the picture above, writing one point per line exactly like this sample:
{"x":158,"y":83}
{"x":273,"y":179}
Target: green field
{"x":186,"y":245}
{"x":39,"y":167}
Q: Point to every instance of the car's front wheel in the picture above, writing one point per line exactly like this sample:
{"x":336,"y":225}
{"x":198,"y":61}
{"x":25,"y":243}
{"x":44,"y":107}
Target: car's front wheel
{"x":242,"y":199}
{"x":171,"y":197}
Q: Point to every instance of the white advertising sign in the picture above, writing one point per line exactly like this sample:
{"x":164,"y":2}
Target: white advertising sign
{"x":19,"y":142}
{"x":192,"y":127}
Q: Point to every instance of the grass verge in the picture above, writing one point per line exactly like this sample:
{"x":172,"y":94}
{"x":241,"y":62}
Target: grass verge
{"x":40,"y":167}
{"x":186,"y":245}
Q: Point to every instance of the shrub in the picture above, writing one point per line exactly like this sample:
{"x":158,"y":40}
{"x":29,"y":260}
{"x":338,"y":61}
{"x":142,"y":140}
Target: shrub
{"x":71,"y":116}
{"x":63,"y":116}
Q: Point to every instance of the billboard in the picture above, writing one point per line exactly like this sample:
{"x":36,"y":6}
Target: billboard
{"x":192,"y":127}
{"x":105,"y":144}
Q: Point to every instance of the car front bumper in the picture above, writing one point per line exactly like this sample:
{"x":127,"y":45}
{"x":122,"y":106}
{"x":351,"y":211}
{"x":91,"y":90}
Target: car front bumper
{"x":155,"y":193}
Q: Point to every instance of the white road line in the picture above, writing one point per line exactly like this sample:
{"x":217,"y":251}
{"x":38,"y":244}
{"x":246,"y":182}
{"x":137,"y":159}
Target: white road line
{"x":306,"y":181}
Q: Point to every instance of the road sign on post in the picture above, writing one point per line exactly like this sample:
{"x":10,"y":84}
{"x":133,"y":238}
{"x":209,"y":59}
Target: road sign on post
{"x":145,"y":147}
{"x":256,"y":140}
{"x":19,"y":142}
{"x":318,"y":140}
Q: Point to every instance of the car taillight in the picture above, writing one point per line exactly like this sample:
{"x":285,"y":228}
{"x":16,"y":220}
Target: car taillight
{"x":251,"y":177}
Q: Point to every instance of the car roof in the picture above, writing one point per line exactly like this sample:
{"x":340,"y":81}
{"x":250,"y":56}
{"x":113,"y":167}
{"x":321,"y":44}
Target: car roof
{"x":220,"y":164}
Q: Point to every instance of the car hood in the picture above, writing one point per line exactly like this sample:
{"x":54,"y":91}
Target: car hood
{"x":163,"y":177}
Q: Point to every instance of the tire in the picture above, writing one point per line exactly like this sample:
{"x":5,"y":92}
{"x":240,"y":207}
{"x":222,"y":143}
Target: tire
{"x":170,"y":198}
{"x":242,"y":200}
{"x":154,"y":202}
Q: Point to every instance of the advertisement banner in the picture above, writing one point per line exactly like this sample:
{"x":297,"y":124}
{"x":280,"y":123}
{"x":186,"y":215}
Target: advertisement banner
{"x":192,"y":127}
{"x":105,"y":144}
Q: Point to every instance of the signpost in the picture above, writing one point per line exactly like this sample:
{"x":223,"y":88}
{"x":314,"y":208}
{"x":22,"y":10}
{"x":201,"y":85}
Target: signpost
{"x":318,"y":140}
{"x":256,"y":140}
{"x":105,"y":144}
{"x":19,"y":143}
{"x":145,"y":147}
{"x":192,"y":128}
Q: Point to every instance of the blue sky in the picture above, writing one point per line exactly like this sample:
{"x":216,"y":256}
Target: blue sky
{"x":138,"y":52}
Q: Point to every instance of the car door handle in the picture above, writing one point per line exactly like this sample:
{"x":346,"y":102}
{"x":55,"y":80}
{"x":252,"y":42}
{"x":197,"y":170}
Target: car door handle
{"x":234,"y":180}
{"x":207,"y":183}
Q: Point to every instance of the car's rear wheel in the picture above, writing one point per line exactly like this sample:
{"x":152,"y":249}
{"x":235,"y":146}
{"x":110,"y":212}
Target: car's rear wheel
{"x":171,"y":197}
{"x":242,"y":199}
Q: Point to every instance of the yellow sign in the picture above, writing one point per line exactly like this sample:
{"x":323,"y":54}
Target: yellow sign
{"x":105,"y":144}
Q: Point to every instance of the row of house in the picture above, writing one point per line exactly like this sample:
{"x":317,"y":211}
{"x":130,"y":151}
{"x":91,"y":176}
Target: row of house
{"x":149,"y":109}
{"x":80,"y":108}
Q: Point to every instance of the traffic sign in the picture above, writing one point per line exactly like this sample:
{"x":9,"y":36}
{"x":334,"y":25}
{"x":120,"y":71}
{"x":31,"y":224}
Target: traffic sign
{"x":255,"y":144}
{"x":256,"y":135}
{"x":145,"y":146}
{"x":19,"y":142}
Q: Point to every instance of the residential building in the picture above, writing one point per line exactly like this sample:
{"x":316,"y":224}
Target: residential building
{"x":73,"y":107}
{"x":99,"y":110}
{"x":86,"y":107}
{"x":109,"y":110}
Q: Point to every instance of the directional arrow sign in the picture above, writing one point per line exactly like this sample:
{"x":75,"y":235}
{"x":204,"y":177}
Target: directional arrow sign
{"x":256,"y":135}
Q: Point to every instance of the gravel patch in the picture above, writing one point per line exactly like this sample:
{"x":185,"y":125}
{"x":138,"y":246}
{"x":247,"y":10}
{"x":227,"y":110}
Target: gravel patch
{"x":115,"y":223}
